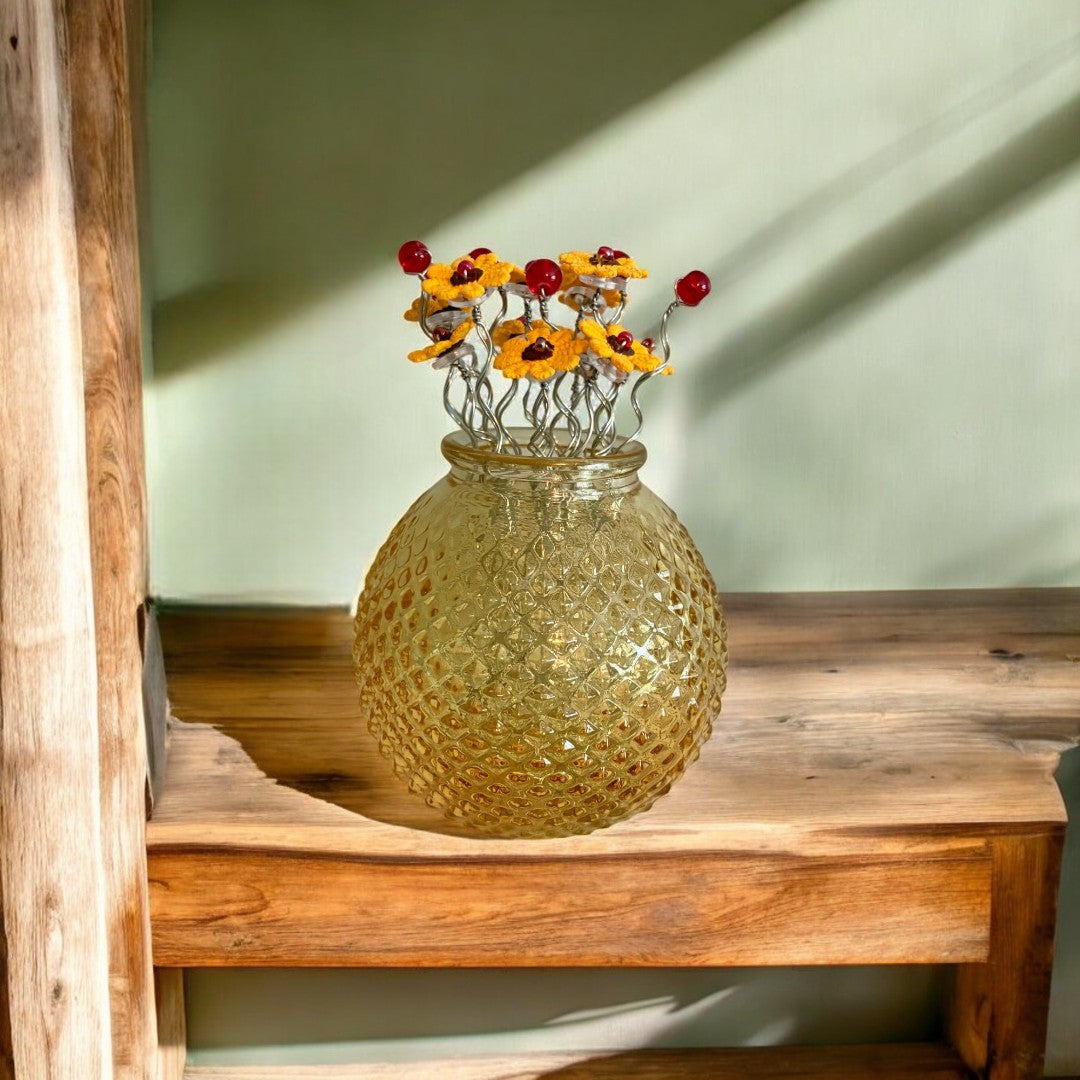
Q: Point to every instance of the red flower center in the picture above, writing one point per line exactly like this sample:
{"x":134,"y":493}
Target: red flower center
{"x":622,"y":343}
{"x":540,"y":349}
{"x":465,"y":273}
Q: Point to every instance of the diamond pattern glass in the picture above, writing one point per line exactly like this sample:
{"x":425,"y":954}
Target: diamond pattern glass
{"x":540,"y":649}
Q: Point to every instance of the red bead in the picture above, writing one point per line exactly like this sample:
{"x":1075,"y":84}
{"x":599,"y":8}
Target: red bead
{"x":620,"y":254}
{"x":440,"y":333}
{"x":624,"y":340}
{"x":414,"y":257}
{"x":648,"y":343}
{"x":693,"y":288}
{"x":543,"y":277}
{"x":465,"y":270}
{"x":605,"y":254}
{"x":477,"y":252}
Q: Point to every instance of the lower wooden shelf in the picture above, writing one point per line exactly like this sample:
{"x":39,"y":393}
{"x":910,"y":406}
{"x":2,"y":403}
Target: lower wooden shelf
{"x":919,"y":1061}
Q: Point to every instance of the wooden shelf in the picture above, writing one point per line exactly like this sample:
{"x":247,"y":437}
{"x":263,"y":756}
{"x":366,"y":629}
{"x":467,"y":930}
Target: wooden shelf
{"x":900,"y":1062}
{"x":879,"y":789}
{"x":871,"y":749}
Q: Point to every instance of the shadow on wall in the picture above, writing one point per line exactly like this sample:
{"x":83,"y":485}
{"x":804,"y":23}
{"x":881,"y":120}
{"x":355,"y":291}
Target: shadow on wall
{"x":907,"y":244}
{"x":343,"y":130}
{"x":416,"y":1016}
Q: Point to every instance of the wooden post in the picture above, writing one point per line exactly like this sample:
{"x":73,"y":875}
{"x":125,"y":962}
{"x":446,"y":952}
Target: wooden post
{"x":51,"y":867}
{"x":997,"y":1011}
{"x":171,"y":1023}
{"x":102,"y":96}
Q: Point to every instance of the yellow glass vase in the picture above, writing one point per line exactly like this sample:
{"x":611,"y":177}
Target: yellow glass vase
{"x":539,"y":646}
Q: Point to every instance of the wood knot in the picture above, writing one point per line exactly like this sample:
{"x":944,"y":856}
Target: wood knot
{"x":14,"y":41}
{"x":1006,"y":654}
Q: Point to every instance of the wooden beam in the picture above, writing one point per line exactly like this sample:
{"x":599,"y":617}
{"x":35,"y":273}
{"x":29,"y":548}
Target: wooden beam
{"x":230,"y":907}
{"x":108,"y":254}
{"x":51,"y":863}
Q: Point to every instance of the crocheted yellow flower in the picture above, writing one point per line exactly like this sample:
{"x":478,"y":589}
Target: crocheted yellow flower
{"x":616,"y":345}
{"x":466,"y":279}
{"x":573,"y":300}
{"x":413,"y":314}
{"x":510,"y":329}
{"x":538,"y":354}
{"x":437,"y":348}
{"x":602,"y":263}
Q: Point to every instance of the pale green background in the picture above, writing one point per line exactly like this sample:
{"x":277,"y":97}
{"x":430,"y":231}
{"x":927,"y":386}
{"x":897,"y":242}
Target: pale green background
{"x":882,"y":392}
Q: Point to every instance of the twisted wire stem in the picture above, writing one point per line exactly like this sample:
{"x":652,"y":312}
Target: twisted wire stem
{"x":572,"y":413}
{"x":645,"y":376}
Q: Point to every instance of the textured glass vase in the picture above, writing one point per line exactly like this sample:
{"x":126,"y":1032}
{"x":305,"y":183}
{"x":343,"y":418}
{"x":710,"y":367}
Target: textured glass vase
{"x":539,"y":647}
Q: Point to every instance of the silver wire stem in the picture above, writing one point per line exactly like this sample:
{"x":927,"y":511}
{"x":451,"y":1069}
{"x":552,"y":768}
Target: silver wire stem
{"x":645,"y":376}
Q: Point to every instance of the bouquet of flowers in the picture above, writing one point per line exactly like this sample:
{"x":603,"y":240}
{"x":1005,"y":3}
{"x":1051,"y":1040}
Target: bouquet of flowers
{"x":572,"y":374}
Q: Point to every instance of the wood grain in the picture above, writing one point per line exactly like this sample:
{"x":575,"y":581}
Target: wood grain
{"x":843,"y":812}
{"x":171,"y":1023}
{"x":898,"y":1062}
{"x":108,"y":253}
{"x":51,"y":863}
{"x":868,"y":731}
{"x":870,"y":709}
{"x":699,"y":909}
{"x":997,"y":1010}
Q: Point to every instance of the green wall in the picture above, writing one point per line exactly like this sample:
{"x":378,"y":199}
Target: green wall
{"x":881,"y":393}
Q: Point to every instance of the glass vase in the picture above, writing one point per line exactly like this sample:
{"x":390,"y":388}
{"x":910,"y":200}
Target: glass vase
{"x":540,"y":649}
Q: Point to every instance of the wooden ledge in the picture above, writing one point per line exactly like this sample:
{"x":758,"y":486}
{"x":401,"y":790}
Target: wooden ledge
{"x":916,"y":1061}
{"x":871,"y":748}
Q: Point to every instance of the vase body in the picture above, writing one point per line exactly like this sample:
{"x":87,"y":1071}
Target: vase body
{"x":540,"y":649}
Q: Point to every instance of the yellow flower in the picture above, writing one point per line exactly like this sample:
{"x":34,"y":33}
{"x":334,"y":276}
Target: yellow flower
{"x":604,"y":342}
{"x":538,"y":354}
{"x":603,"y":263}
{"x":509,"y":329}
{"x":413,"y":314}
{"x":437,"y":348}
{"x":445,"y":284}
{"x":612,"y":297}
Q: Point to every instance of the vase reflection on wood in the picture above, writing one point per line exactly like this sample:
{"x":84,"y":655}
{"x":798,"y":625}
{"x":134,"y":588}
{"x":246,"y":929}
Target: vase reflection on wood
{"x":539,"y":646}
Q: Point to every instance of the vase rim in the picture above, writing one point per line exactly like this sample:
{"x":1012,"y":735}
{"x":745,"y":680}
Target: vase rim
{"x":458,"y":450}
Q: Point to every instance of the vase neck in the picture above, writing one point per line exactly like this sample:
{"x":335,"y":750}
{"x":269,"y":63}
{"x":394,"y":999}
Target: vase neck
{"x":612,"y":472}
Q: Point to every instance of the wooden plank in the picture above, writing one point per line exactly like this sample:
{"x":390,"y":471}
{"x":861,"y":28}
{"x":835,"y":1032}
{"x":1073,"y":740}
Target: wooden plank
{"x":897,"y":1062}
{"x":171,"y":1023}
{"x":869,"y":709}
{"x":108,"y":252}
{"x":997,"y":1010}
{"x":51,"y":863}
{"x":698,"y":909}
